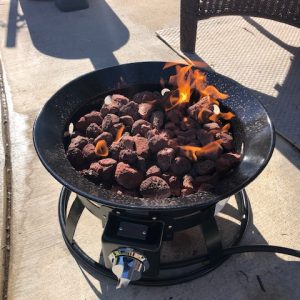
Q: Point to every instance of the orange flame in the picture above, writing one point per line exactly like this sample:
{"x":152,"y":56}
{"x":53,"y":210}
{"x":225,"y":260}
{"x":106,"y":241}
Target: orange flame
{"x":187,"y":79}
{"x":119,"y":133}
{"x":101,"y":148}
{"x":214,"y":118}
{"x":194,"y":152}
{"x":226,"y":127}
{"x":227,"y":116}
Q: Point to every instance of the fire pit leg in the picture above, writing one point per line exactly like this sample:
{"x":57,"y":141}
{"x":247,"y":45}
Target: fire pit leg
{"x":212,"y":236}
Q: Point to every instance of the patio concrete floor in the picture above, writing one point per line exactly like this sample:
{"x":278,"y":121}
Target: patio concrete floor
{"x":42,"y":49}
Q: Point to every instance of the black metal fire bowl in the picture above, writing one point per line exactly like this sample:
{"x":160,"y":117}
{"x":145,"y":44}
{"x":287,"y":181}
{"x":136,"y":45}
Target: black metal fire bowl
{"x":253,"y":133}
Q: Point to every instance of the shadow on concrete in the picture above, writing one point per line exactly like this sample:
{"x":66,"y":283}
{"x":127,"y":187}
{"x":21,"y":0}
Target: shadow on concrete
{"x":93,"y":33}
{"x":244,"y":276}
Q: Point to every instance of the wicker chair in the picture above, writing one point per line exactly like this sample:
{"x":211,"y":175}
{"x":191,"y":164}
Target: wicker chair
{"x":287,"y":11}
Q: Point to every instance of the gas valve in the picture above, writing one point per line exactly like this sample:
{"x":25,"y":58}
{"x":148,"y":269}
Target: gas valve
{"x":128,"y":265}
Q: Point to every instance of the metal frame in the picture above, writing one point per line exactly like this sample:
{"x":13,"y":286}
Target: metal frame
{"x":170,"y":273}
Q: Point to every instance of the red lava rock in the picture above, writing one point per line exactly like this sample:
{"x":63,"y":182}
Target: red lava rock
{"x":171,"y":126}
{"x":227,"y":161}
{"x":130,"y":109}
{"x":127,"y":142}
{"x":90,"y":175}
{"x":180,"y":165}
{"x":119,"y":100}
{"x":151,"y":133}
{"x":115,"y":128}
{"x":205,"y":167}
{"x":165,"y":158}
{"x":109,"y":109}
{"x":157,"y":119}
{"x":137,"y":127}
{"x":78,"y":142}
{"x":143,"y":97}
{"x":88,"y":152}
{"x":141,"y":146}
{"x":227,"y":140}
{"x":106,"y":136}
{"x":211,"y":126}
{"x":157,"y":143}
{"x":153,"y":171}
{"x":128,"y":156}
{"x":95,"y":166}
{"x":114,"y":150}
{"x":109,"y":166}
{"x":211,"y":179}
{"x":155,"y":187}
{"x":81,"y":125}
{"x":145,"y":110}
{"x":172,"y":143}
{"x":93,"y":130}
{"x":187,"y":185}
{"x":109,"y":120}
{"x":174,"y":184}
{"x":127,"y":121}
{"x":174,"y":115}
{"x":168,"y":134}
{"x":141,"y":164}
{"x":127,"y":176}
{"x":93,"y":117}
{"x":204,"y":137}
{"x":205,"y":187}
{"x":75,"y":157}
{"x":203,"y":103}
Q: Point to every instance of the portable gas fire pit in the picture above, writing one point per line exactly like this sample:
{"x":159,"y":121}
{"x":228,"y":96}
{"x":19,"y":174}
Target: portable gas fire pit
{"x":135,"y":227}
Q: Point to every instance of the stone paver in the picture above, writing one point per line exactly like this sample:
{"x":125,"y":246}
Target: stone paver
{"x":46,"y":50}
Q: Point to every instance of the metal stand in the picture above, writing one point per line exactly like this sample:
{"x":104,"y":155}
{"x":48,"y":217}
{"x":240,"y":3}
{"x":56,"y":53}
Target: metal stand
{"x":168,"y":273}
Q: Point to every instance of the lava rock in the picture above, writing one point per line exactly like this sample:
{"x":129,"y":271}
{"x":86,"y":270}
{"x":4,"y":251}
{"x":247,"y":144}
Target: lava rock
{"x":93,"y":117}
{"x":95,"y":166}
{"x":180,"y":165}
{"x":130,"y":109}
{"x":75,"y":157}
{"x":141,"y":164}
{"x":106,"y":136}
{"x":204,"y":137}
{"x":109,"y":166}
{"x":174,"y":116}
{"x":205,"y":167}
{"x":127,"y":176}
{"x":88,"y":152}
{"x":81,"y":125}
{"x":90,"y":175}
{"x":127,"y":121}
{"x":187,"y":185}
{"x":109,"y":120}
{"x":165,"y":158}
{"x":141,"y":146}
{"x":140,"y":127}
{"x":145,"y":110}
{"x":227,"y":140}
{"x":78,"y":142}
{"x":119,"y":100}
{"x":93,"y":130}
{"x":128,"y":156}
{"x":109,"y":109}
{"x":145,"y":96}
{"x":203,"y":104}
{"x":227,"y":161}
{"x":127,"y":142}
{"x":157,"y":143}
{"x":211,"y":126}
{"x":155,"y":187}
{"x":153,"y":171}
{"x":157,"y":119}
